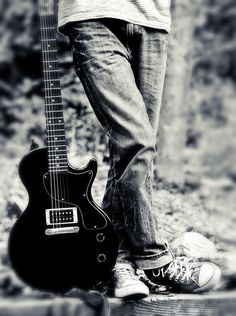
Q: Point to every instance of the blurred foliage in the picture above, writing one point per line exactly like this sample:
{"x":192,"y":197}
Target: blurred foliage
{"x":21,"y":94}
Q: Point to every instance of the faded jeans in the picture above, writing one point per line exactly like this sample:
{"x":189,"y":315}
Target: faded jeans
{"x":122,"y":67}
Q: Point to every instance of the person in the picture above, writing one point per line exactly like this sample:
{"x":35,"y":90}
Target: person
{"x":120,"y":53}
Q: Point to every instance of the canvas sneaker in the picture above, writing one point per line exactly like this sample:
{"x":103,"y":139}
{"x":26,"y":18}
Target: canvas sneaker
{"x":127,"y":283}
{"x":186,"y":275}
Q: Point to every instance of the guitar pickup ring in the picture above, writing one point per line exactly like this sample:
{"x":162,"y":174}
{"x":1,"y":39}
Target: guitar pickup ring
{"x":58,"y":216}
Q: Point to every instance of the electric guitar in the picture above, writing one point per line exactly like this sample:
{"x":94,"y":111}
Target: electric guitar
{"x":63,"y":239}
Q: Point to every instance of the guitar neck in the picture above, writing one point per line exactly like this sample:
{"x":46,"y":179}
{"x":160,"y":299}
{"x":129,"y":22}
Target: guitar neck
{"x":56,"y":140}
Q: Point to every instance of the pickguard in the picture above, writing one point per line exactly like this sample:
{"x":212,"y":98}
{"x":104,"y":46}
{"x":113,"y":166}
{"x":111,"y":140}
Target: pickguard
{"x":90,"y":216}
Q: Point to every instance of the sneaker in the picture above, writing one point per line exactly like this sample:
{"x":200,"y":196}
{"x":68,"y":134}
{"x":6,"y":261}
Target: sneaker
{"x":186,"y":275}
{"x":127,"y":283}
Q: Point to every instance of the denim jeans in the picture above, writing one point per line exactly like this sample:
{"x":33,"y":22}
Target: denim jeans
{"x":122,"y":68}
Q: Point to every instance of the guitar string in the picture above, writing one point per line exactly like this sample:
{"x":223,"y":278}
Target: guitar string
{"x":46,"y":110}
{"x":54,"y":115}
{"x":57,"y":180}
{"x":51,"y":116}
{"x":64,"y":175}
{"x":59,"y":175}
{"x":51,"y":129}
{"x":56,"y":140}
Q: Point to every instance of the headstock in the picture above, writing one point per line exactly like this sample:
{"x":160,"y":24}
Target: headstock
{"x":46,"y":7}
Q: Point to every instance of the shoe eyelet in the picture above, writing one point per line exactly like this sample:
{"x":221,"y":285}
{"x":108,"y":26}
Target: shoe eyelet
{"x":156,"y":275}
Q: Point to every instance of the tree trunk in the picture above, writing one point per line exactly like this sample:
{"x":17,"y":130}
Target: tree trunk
{"x":169,"y":170}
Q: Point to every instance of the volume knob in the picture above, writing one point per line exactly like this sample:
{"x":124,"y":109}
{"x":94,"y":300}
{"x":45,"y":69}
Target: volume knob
{"x":101,"y":258}
{"x":100,"y":237}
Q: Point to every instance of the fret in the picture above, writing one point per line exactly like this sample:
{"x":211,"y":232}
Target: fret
{"x":50,"y":153}
{"x":52,"y":130}
{"x":50,"y":120}
{"x":57,"y":146}
{"x":50,"y":124}
{"x":52,"y":84}
{"x":48,"y":64}
{"x":49,"y":51}
{"x":59,"y":163}
{"x":52,"y":80}
{"x":60,"y":160}
{"x":55,"y":106}
{"x":53,"y":70}
{"x":48,"y":40}
{"x":55,"y":135}
{"x":56,"y":153}
{"x":52,"y":45}
{"x":53,"y":110}
{"x":53,"y":61}
{"x":48,"y":28}
{"x":58,"y":156}
{"x":51,"y":67}
{"x":56,"y":166}
{"x":59,"y":118}
{"x":56,"y":138}
{"x":53,"y":96}
{"x":54,"y":103}
{"x":52,"y":88}
{"x":60,"y":140}
{"x":53,"y":74}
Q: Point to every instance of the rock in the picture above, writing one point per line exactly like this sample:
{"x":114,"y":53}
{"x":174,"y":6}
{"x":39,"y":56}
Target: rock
{"x":229,"y":269}
{"x":13,"y":209}
{"x":195,"y":245}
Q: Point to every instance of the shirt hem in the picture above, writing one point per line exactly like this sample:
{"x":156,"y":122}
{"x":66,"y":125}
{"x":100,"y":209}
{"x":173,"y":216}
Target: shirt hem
{"x":76,"y":17}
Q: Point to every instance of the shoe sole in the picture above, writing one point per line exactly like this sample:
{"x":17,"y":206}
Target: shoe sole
{"x":211,"y":284}
{"x":129,"y":292}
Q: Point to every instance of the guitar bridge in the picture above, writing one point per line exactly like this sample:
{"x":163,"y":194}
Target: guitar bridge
{"x":62,"y":230}
{"x":67,"y":215}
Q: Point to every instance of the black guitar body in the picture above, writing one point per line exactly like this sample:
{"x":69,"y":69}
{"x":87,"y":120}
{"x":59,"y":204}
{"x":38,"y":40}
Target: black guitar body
{"x":56,"y":257}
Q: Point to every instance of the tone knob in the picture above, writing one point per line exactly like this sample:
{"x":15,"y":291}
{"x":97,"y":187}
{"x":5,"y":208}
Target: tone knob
{"x":100,"y":237}
{"x":101,"y":258}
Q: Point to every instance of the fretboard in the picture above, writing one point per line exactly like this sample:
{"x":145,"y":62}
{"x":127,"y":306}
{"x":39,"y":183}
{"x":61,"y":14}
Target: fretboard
{"x":56,"y":140}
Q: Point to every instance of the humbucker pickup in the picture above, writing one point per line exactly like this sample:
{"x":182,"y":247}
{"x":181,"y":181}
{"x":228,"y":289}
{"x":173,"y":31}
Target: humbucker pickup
{"x":67,"y":215}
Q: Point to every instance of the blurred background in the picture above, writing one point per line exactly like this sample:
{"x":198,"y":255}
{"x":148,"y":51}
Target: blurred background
{"x":195,"y":172}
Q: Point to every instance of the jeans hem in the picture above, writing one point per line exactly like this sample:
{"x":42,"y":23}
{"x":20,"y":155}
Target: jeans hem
{"x":154,"y":262}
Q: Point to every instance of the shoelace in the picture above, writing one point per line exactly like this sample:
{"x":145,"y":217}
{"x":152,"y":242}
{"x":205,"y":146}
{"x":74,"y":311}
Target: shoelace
{"x":126,"y":272}
{"x":179,"y":269}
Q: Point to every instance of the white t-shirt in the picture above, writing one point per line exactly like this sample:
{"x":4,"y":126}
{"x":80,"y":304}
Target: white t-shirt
{"x":150,"y":13}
